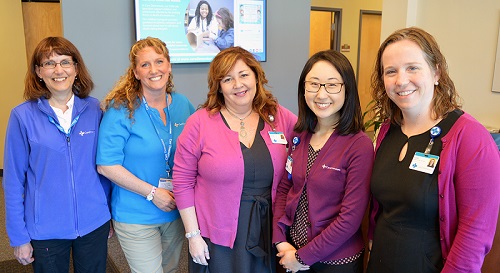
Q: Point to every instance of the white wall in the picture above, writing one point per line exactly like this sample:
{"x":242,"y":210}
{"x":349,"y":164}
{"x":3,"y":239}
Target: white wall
{"x":104,"y":31}
{"x":467,"y":32}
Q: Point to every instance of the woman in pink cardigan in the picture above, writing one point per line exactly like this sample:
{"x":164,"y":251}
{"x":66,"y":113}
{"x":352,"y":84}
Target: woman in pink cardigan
{"x":229,"y":159}
{"x":438,"y":217}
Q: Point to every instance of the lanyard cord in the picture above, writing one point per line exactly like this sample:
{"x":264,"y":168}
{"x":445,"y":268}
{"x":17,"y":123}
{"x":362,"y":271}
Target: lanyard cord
{"x":60,"y":128}
{"x":166,"y":151}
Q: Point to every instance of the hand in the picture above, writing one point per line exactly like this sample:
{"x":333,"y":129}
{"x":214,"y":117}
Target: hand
{"x":111,"y":230}
{"x":199,"y":250}
{"x":164,"y":200}
{"x":370,"y":244}
{"x":284,"y":246}
{"x":289,"y":262}
{"x":24,"y":254}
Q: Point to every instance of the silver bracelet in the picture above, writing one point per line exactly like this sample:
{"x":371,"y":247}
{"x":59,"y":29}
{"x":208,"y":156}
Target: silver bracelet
{"x":193,"y":233}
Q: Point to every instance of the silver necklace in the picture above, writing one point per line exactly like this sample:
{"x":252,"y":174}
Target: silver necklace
{"x":243,"y":131}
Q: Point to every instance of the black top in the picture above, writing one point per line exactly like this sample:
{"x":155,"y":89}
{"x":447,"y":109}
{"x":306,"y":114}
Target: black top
{"x":406,"y":236}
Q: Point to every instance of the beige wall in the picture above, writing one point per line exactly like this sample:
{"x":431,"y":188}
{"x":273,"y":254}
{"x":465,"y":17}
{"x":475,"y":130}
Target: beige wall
{"x":13,"y":64}
{"x":467,"y":31}
{"x":350,"y":21}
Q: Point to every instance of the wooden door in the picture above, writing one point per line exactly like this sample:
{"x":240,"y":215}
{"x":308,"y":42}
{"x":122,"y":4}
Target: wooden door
{"x":320,"y":32}
{"x":369,"y":42}
{"x":40,"y":20}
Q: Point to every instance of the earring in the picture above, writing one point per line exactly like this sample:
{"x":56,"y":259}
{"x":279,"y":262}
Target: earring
{"x":40,"y":79}
{"x":436,"y":83}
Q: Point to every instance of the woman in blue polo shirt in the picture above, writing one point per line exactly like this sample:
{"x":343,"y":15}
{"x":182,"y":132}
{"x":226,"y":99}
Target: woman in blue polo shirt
{"x":136,"y":147}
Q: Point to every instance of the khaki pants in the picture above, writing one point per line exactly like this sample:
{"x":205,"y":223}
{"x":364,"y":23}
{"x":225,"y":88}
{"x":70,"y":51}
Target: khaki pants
{"x":151,"y":248}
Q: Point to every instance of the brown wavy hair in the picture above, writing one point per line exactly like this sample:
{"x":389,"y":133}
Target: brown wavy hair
{"x":264,"y":103}
{"x":128,"y":90}
{"x":34,"y":88}
{"x":445,"y":97}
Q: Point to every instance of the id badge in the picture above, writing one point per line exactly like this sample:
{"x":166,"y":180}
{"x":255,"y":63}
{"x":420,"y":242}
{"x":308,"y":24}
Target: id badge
{"x":277,"y":137}
{"x":288,"y":166}
{"x":425,"y":163}
{"x":166,"y":183}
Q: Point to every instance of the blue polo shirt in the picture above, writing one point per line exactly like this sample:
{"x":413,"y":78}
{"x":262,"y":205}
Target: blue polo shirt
{"x":135,"y":144}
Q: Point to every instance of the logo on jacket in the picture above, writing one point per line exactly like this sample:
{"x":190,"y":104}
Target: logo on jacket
{"x":330,"y":168}
{"x":179,"y":124}
{"x":82,"y":133}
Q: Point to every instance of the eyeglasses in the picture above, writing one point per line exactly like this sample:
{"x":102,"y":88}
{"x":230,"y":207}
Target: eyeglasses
{"x":52,"y":64}
{"x":330,"y":88}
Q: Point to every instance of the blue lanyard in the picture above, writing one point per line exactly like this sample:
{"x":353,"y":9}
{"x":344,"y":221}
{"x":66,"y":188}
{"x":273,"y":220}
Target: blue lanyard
{"x":60,"y":128}
{"x":166,"y":151}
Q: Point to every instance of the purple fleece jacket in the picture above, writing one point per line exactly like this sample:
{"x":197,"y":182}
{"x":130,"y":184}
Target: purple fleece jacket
{"x":338,"y":190}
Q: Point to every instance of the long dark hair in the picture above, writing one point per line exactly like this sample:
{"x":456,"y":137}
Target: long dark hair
{"x":198,"y":15}
{"x":351,"y":120}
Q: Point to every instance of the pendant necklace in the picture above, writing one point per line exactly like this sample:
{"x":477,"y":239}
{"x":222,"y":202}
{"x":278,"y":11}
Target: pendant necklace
{"x":243,"y":131}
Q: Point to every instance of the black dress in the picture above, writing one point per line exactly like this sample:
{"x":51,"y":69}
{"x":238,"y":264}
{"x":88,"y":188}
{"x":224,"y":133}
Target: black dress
{"x":252,"y":251}
{"x":406,"y":237}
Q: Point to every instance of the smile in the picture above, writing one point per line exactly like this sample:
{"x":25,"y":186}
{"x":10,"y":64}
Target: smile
{"x":157,"y":78}
{"x":405,"y":93}
{"x":323,"y":105}
{"x":59,"y":79}
{"x":242,"y":93}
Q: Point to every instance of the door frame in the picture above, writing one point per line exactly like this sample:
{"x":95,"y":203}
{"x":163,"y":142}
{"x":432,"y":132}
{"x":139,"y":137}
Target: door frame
{"x":361,"y":13}
{"x":335,"y":41}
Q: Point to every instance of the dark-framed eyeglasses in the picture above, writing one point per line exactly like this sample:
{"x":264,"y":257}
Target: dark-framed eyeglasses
{"x":330,"y":87}
{"x":52,"y":64}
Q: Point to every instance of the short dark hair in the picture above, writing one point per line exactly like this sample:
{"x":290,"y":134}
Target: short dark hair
{"x":351,"y":120}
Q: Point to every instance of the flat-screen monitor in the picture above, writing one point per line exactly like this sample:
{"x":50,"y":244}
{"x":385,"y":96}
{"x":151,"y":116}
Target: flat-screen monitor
{"x":195,"y":31}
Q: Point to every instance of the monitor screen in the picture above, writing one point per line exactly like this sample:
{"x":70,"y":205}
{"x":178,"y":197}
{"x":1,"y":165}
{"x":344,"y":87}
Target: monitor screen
{"x":195,"y":31}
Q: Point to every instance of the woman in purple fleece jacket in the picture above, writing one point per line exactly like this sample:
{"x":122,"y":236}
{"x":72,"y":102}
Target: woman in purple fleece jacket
{"x":428,"y":217}
{"x":322,"y":198}
{"x":230,"y":157}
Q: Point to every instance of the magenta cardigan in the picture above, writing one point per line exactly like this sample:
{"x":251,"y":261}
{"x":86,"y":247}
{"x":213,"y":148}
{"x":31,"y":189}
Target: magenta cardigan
{"x":469,"y":194}
{"x":208,"y":170}
{"x":338,"y":190}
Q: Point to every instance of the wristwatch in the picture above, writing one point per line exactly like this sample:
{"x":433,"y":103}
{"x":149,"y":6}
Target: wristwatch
{"x":151,"y":195}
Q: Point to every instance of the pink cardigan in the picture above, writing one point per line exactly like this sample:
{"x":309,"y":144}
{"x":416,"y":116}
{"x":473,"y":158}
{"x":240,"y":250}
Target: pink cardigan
{"x":469,"y":194}
{"x":208,"y":171}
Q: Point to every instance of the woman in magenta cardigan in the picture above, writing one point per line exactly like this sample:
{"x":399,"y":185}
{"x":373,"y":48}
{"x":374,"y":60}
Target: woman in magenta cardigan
{"x":322,"y":198}
{"x":229,"y":160}
{"x":438,"y":218}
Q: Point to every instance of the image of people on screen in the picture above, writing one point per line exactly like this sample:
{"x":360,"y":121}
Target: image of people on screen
{"x":225,"y":37}
{"x":203,"y":28}
{"x":203,"y":21}
{"x":250,"y":14}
